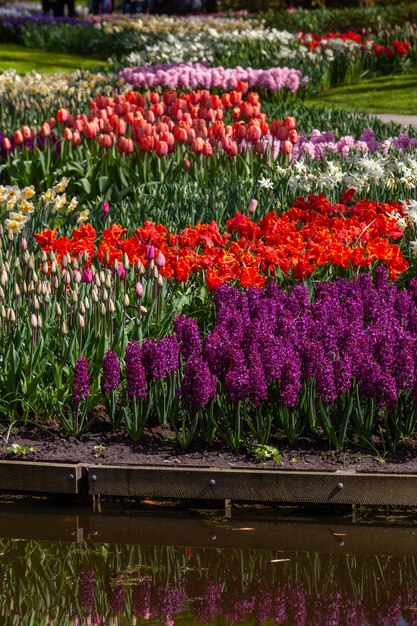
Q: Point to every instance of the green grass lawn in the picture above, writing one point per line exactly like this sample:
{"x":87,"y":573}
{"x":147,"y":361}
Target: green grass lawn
{"x":26,"y":59}
{"x":386,"y":94}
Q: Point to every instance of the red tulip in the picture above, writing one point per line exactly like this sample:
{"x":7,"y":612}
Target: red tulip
{"x":290,"y":123}
{"x":18,"y":137}
{"x":161,"y":148}
{"x":146,"y":143}
{"x":6,"y":143}
{"x":286,"y":147}
{"x":26,"y":132}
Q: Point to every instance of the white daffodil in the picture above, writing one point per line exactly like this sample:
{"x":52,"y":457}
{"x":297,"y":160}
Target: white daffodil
{"x":266,"y":183}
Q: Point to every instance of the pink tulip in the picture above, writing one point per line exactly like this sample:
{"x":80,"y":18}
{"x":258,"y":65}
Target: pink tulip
{"x":87,"y":275}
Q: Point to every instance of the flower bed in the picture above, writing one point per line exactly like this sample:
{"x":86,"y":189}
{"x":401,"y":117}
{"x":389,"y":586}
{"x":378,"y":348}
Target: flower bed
{"x":167,"y":275}
{"x":101,"y":315}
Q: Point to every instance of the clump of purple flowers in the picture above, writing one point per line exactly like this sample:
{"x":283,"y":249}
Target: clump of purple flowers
{"x":160,"y":356}
{"x":135,"y":371}
{"x":188,"y":336}
{"x":198,"y":385}
{"x":110,"y":377}
{"x":81,"y":383}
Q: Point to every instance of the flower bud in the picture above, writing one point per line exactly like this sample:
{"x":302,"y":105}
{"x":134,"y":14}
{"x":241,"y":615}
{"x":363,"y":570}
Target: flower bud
{"x":160,"y":260}
{"x":126,"y":300}
{"x":252,"y":205}
{"x":81,"y":322}
{"x":139,"y":289}
{"x":64,"y":328}
{"x":34,"y":321}
{"x":111,"y":306}
{"x":58,"y":309}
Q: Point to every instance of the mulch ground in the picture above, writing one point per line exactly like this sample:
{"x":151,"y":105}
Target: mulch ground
{"x":156,"y":448}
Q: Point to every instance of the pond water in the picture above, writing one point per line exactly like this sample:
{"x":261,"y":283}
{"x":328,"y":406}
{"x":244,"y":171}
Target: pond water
{"x":65,"y":566}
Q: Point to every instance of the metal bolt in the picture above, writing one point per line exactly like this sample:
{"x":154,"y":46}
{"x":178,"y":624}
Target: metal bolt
{"x":71,"y":476}
{"x":93,"y":477}
{"x":212,"y":482}
{"x":339,"y":486}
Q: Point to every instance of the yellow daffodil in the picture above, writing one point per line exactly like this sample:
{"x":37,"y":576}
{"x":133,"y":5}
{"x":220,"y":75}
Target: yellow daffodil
{"x":13,"y":226}
{"x":18,"y":217}
{"x":26,"y":207}
{"x":28,"y":192}
{"x":59,"y":203}
{"x":11,"y":204}
{"x":48,"y":196}
{"x":61,"y":186}
{"x":13,"y":193}
{"x":72,"y":205}
{"x":83,"y":217}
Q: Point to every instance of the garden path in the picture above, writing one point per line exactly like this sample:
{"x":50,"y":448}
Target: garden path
{"x":404,"y":120}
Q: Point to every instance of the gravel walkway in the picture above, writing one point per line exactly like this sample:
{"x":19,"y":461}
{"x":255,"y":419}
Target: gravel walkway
{"x":403,"y":120}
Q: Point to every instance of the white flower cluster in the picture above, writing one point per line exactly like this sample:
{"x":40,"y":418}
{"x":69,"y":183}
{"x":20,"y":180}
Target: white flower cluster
{"x":54,"y":89}
{"x":394,"y":173}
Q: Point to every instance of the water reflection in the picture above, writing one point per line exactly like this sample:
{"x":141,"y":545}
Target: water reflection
{"x":61,"y":584}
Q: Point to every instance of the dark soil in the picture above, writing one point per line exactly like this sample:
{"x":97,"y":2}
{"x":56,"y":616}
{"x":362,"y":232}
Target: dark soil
{"x":157,"y":448}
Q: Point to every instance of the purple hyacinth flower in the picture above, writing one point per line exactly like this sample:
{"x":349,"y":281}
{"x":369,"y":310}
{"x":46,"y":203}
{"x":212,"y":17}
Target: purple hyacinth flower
{"x":135,"y":371}
{"x":198,"y":385}
{"x":81,"y":383}
{"x":188,"y":335}
{"x":110,"y":377}
{"x":160,"y":356}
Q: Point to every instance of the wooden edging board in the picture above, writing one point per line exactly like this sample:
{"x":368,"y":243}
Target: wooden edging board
{"x":289,"y":487}
{"x":253,"y":485}
{"x":40,"y":478}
